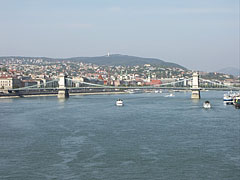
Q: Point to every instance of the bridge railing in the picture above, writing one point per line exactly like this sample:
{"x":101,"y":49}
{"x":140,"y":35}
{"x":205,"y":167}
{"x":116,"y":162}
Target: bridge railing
{"x":43,"y":85}
{"x":205,"y":83}
{"x":178,"y":83}
{"x":182,"y":83}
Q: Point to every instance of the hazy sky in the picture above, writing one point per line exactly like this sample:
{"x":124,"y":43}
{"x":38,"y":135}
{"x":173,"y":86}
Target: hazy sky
{"x":198,"y":34}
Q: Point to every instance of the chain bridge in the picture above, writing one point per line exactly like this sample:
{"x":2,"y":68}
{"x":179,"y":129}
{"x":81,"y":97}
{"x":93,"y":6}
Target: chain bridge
{"x":63,"y":86}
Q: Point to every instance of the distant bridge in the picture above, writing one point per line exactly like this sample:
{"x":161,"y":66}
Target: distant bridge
{"x":63,"y":85}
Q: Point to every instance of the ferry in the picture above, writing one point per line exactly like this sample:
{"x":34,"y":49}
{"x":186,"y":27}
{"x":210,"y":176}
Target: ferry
{"x":119,"y":102}
{"x":207,"y":105}
{"x":228,"y":98}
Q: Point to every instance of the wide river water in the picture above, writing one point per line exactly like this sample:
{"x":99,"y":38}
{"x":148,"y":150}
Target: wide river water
{"x":88,"y":138}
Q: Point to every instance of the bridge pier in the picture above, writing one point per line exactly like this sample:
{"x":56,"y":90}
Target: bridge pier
{"x":196,"y":94}
{"x":195,"y":87}
{"x":63,"y":92}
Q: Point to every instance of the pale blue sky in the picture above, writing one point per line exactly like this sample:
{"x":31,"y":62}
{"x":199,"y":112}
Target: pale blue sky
{"x":198,"y":34}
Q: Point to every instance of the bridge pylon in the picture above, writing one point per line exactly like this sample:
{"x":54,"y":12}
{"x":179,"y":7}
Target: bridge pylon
{"x":63,"y":92}
{"x":195,"y":87}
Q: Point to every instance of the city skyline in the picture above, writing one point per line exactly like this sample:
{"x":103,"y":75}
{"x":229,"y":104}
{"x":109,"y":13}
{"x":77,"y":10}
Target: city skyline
{"x":198,"y":35}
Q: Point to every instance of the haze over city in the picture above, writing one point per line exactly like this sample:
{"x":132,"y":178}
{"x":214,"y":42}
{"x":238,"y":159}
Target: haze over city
{"x":200,"y":35}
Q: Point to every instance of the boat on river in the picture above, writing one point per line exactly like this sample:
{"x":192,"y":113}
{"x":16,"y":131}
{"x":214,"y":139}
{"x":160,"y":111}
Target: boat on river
{"x":157,"y":91}
{"x":119,"y":102}
{"x":236,"y":102}
{"x":228,"y":98}
{"x":134,"y":91}
{"x":207,"y":105}
{"x":170,"y":95}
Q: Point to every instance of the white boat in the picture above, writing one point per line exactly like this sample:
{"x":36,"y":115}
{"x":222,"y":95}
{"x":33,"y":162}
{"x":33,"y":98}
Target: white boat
{"x":130,"y":91}
{"x":157,"y":91}
{"x":170,"y":95}
{"x":119,"y":102}
{"x":228,"y":98}
{"x":134,"y":91}
{"x":207,"y":105}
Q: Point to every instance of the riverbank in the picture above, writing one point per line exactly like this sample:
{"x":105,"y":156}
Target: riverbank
{"x":71,"y":94}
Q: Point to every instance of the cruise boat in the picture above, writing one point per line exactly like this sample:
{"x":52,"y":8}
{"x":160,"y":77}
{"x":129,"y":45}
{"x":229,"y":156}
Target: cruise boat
{"x":228,"y":98}
{"x":207,"y":105}
{"x":119,"y":102}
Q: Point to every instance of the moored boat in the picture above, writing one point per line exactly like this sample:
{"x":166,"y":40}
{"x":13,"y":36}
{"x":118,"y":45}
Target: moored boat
{"x":236,"y":102}
{"x":134,"y":91}
{"x":157,"y":91}
{"x":228,"y":98}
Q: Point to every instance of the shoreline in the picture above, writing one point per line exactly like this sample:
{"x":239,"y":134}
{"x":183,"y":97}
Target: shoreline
{"x":9,"y":96}
{"x":70,"y":94}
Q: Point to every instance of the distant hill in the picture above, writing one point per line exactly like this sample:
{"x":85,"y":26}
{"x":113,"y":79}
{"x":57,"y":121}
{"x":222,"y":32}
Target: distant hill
{"x":230,"y":70}
{"x":124,"y":60}
{"x":113,"y":60}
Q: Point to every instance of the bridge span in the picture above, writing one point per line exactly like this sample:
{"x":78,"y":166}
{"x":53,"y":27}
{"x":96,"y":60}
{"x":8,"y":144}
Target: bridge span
{"x":65,"y":87}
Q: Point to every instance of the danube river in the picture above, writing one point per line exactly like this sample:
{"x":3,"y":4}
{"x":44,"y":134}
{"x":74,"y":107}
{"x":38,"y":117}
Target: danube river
{"x":88,"y":138}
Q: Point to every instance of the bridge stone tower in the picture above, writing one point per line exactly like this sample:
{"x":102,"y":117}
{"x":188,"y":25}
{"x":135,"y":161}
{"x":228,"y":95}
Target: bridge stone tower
{"x":62,"y":89}
{"x":195,"y":87}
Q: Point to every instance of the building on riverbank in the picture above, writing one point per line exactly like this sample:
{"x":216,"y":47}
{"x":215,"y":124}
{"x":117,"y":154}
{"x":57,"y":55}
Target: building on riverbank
{"x":9,"y":82}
